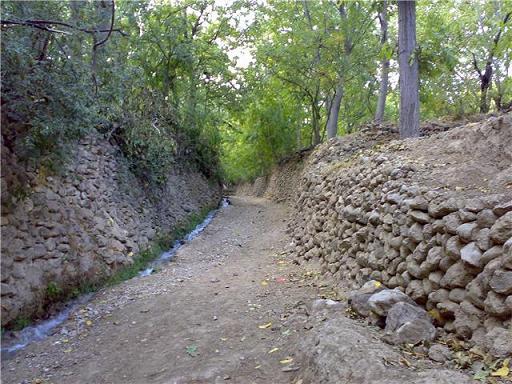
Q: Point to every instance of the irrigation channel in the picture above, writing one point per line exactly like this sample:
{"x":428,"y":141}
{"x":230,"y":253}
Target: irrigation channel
{"x":44,"y":328}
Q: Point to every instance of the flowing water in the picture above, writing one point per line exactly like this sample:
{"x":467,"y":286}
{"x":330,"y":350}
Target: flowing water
{"x":41,"y":330}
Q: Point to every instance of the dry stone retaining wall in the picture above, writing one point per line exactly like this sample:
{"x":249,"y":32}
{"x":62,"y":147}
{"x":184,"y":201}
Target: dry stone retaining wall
{"x":64,"y":230}
{"x":378,"y":214}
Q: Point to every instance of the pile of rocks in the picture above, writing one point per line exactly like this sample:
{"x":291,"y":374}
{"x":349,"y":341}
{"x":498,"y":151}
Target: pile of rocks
{"x":369,"y":214}
{"x":405,"y":322}
{"x":62,"y":230}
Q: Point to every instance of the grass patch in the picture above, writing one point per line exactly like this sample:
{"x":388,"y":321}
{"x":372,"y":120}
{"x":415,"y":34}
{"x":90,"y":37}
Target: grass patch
{"x":20,"y":322}
{"x":162,"y":243}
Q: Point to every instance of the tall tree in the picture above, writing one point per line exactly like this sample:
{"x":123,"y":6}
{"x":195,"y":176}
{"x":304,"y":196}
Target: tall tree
{"x":485,"y":75}
{"x":335,"y":103}
{"x":384,"y":61}
{"x":409,"y":78}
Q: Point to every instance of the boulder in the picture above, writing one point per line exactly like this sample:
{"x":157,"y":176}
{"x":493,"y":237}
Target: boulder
{"x":501,"y":282}
{"x":440,"y":353}
{"x":467,"y":231}
{"x":501,"y":231}
{"x":503,"y":208}
{"x":321,"y":305}
{"x":342,"y":351}
{"x":381,"y":302}
{"x":483,"y":240}
{"x":491,"y":254}
{"x":452,"y":247}
{"x":420,"y":216}
{"x":401,"y":313}
{"x":499,"y":342}
{"x":458,"y":275}
{"x":471,"y":254}
{"x":413,"y":332}
{"x":358,"y":299}
{"x":495,"y":305}
{"x":486,"y":218}
{"x":359,"y":303}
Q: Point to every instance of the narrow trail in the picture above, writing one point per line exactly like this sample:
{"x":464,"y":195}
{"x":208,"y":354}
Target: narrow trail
{"x":217,"y":313}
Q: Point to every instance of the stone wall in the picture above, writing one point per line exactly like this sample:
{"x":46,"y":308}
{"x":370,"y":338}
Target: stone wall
{"x":93,"y":217}
{"x":431,"y":217}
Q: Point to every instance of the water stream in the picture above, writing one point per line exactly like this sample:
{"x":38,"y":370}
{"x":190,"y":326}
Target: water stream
{"x":44,"y":328}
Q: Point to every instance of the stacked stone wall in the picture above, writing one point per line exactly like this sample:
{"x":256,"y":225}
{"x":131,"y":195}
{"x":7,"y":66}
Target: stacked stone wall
{"x":91,"y":218}
{"x":378,"y":215}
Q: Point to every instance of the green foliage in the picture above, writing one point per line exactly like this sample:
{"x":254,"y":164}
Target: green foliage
{"x":20,"y":322}
{"x":44,"y":97}
{"x":149,"y":90}
{"x":303,"y":50}
{"x":170,"y":90}
{"x":53,"y":291}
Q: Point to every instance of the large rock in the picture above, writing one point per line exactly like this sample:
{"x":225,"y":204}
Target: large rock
{"x":413,"y":332}
{"x":495,"y":305}
{"x":501,"y":231}
{"x":501,"y":282}
{"x":359,"y":303}
{"x":401,"y":313}
{"x":358,"y":300}
{"x":471,"y":254}
{"x":381,"y":302}
{"x":500,"y":342}
{"x":440,"y":353}
{"x":458,"y":275}
{"x":467,"y":231}
{"x":342,"y":351}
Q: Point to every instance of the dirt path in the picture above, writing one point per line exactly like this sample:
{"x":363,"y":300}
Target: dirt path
{"x":230,"y":308}
{"x":217,"y":313}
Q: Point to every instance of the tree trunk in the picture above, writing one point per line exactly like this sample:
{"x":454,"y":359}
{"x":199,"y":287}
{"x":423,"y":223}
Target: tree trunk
{"x":384,"y":65}
{"x":332,"y":121}
{"x":315,"y":113}
{"x":485,"y":83}
{"x":409,"y":79}
{"x":104,"y":16}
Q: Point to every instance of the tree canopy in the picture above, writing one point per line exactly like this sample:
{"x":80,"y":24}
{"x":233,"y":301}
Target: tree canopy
{"x":163,"y":79}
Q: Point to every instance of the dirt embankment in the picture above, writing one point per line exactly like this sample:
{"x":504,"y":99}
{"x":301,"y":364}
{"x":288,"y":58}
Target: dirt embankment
{"x":429,"y":216}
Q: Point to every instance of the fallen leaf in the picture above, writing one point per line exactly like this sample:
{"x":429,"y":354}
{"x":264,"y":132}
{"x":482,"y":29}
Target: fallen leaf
{"x":435,"y":314}
{"x":88,"y":322}
{"x":273,"y":350}
{"x":290,"y":369}
{"x":503,"y":371}
{"x":257,"y":367}
{"x":404,"y":361}
{"x":264,"y":282}
{"x":265,"y":326}
{"x":288,"y":360}
{"x":192,"y":350}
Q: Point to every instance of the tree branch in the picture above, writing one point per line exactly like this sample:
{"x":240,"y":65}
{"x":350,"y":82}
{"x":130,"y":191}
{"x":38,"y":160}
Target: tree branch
{"x":42,"y":24}
{"x":111,"y":27}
